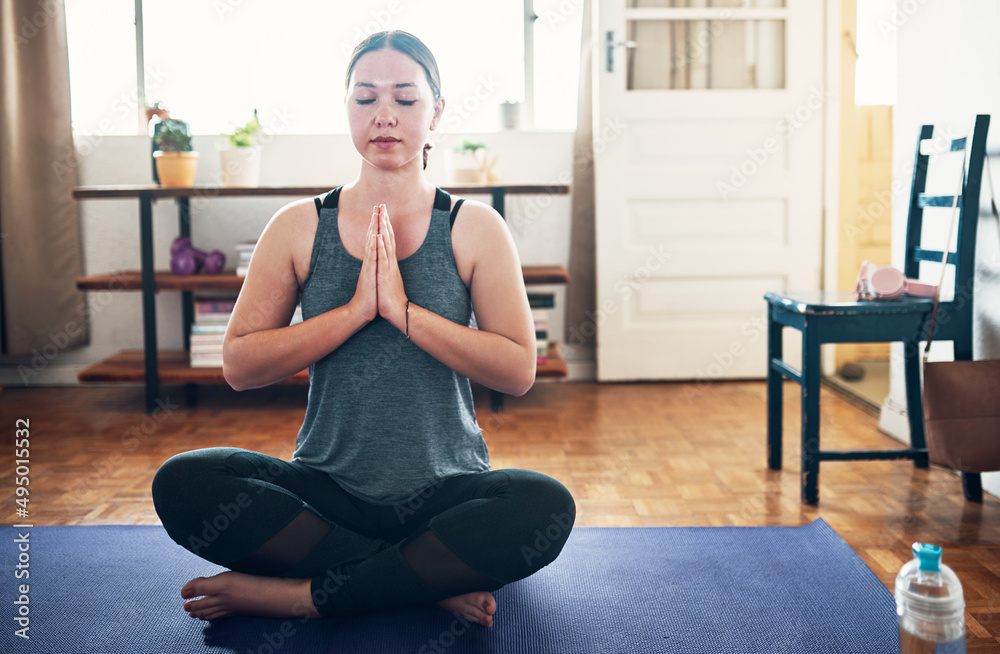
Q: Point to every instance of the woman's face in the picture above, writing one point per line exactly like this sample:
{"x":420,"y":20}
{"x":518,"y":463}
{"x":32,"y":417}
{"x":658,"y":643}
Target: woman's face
{"x":390,"y":108}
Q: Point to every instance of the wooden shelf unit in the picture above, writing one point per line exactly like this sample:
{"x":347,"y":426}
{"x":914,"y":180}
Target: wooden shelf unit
{"x":155,"y":367}
{"x":174,"y":368}
{"x":131,"y":280}
{"x":554,"y":366}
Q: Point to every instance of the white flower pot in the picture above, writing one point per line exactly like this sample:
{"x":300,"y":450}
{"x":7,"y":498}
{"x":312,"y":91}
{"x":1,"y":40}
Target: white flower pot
{"x":240,"y":166}
{"x":464,"y":168}
{"x":510,"y":115}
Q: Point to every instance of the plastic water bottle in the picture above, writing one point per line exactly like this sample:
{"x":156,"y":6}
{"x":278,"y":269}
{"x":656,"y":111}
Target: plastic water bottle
{"x":929,"y":605}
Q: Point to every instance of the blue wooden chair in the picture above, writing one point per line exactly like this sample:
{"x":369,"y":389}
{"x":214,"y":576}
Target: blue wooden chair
{"x":839,"y":317}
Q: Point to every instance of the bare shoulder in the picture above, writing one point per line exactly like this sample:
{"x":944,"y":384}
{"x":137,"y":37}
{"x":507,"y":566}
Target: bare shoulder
{"x":293,"y":218}
{"x":481,"y":241}
{"x":478,"y":225}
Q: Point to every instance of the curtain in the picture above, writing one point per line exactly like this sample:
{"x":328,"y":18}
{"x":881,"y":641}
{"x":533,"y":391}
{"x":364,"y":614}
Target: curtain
{"x":581,"y":294}
{"x":41,"y":311}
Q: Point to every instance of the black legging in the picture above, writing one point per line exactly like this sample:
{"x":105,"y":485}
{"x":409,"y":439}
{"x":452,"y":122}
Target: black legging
{"x":257,"y":514}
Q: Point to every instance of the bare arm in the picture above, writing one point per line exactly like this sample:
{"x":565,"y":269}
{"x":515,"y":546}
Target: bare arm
{"x":501,"y":353}
{"x":260,"y":347}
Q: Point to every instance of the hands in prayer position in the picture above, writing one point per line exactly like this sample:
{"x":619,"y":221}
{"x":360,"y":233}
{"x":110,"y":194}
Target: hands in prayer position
{"x":380,"y":289}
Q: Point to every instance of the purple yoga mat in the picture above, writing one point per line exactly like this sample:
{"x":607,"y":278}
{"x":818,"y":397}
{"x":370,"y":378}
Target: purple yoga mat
{"x":112,"y":589}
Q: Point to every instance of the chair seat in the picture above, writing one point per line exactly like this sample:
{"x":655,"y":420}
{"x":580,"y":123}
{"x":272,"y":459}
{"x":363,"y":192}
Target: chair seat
{"x":840,"y":302}
{"x":838,"y":317}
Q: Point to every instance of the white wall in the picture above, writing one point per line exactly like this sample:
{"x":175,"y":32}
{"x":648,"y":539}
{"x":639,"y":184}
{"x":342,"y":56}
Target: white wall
{"x":540,"y":224}
{"x":948,"y":71}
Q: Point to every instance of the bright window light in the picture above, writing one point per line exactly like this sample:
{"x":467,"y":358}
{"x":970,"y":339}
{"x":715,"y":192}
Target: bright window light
{"x":875,"y":73}
{"x":557,"y":63}
{"x":213,"y":63}
{"x":102,"y":71}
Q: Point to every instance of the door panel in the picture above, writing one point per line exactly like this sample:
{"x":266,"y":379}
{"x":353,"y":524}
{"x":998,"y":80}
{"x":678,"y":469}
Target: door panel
{"x":709,"y":187}
{"x":705,"y":54}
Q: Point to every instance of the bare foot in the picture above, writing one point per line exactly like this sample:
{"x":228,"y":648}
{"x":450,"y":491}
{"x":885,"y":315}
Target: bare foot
{"x":230,"y":593}
{"x":476,"y":607}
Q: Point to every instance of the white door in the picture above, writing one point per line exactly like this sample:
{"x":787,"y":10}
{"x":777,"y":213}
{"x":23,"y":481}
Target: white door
{"x":709,"y":166}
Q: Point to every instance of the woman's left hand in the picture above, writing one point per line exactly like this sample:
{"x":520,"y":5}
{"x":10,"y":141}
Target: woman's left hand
{"x":392,"y":299}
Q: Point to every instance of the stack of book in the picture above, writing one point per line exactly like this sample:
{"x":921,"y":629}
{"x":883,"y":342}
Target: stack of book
{"x":243,"y":253}
{"x":541,"y":305}
{"x":208,"y":332}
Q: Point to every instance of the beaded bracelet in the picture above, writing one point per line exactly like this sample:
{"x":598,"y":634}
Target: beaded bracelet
{"x":407,"y":320}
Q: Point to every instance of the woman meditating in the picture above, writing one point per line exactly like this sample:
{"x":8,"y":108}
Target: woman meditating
{"x":389,"y":500}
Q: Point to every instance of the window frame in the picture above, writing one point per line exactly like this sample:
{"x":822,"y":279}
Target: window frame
{"x":529,"y":18}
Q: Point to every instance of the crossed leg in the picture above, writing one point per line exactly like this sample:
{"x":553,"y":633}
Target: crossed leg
{"x":336,"y":555}
{"x":271,"y":596}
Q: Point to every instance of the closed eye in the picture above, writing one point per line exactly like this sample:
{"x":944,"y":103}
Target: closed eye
{"x":406,"y":103}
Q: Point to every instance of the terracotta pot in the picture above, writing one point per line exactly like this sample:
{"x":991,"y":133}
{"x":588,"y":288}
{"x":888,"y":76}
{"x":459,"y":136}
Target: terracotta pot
{"x":176,"y":169}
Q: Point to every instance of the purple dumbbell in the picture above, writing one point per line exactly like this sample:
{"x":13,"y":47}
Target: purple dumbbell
{"x":185,"y":259}
{"x":182,"y":260}
{"x":214,"y":261}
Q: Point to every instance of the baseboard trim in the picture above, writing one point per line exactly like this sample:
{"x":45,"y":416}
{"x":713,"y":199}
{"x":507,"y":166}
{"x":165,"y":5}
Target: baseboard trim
{"x":895,"y":421}
{"x":24,"y":376}
{"x":581,"y":370}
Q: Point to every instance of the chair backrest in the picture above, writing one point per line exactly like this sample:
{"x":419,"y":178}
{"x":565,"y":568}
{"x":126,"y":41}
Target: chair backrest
{"x":964,"y":258}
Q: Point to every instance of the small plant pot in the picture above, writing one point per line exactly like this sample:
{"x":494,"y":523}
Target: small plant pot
{"x":465,"y":175}
{"x":465,"y":168}
{"x":510,"y":115}
{"x":240,"y":166}
{"x":176,"y":169}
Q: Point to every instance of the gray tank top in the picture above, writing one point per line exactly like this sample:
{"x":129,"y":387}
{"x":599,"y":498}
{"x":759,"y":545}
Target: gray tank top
{"x":385,"y":419}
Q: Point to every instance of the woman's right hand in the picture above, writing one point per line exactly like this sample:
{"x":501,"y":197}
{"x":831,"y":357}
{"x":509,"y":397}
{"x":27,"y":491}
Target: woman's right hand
{"x":365,"y":298}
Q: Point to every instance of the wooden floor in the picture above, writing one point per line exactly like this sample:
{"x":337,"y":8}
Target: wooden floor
{"x":647,"y":454}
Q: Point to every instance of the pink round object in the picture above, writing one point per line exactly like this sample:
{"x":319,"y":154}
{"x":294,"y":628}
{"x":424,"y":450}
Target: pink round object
{"x":887,"y":282}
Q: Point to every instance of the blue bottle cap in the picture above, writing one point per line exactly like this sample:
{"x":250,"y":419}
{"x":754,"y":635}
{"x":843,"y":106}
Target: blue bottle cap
{"x":929,"y":556}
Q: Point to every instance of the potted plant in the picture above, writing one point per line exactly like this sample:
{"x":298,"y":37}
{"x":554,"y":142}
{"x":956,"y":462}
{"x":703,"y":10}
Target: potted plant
{"x":241,"y":160}
{"x":471,"y":164}
{"x":176,"y":162}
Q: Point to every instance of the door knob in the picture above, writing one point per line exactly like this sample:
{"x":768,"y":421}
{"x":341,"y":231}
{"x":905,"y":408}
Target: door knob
{"x":611,"y":44}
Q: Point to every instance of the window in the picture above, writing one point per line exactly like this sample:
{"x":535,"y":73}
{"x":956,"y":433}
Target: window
{"x":555,"y":63}
{"x":212,"y":63}
{"x":875,"y":71}
{"x":102,"y":67}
